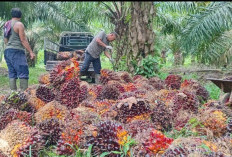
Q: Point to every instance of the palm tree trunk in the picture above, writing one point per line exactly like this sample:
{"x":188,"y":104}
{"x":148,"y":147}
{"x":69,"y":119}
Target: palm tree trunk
{"x":141,"y":32}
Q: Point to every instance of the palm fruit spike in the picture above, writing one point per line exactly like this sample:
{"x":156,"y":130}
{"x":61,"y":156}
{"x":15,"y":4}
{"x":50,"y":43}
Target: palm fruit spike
{"x":44,"y":78}
{"x":51,"y":110}
{"x":13,"y":114}
{"x":131,"y":108}
{"x":161,"y":117}
{"x":108,"y":137}
{"x":110,"y":92}
{"x":19,"y":136}
{"x":72,"y":135}
{"x":45,"y":94}
{"x":51,"y":131}
{"x":173,"y":81}
{"x":69,"y":93}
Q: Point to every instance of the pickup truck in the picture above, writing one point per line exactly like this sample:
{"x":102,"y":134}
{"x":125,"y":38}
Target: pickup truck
{"x":69,"y":42}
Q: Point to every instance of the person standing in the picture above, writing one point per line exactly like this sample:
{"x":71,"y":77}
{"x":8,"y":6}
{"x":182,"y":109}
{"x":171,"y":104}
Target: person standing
{"x":14,"y":53}
{"x":99,"y":44}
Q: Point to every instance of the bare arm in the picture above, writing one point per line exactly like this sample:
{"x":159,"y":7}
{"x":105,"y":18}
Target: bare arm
{"x":107,"y":54}
{"x":100,"y":42}
{"x":5,"y":41}
{"x":24,"y":40}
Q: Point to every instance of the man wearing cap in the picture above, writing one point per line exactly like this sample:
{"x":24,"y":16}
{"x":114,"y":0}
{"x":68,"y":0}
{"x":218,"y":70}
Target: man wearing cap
{"x":99,"y":44}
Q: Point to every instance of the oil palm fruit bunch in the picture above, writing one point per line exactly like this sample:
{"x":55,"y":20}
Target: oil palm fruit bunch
{"x":70,"y":135}
{"x":161,"y":117}
{"x":215,"y":120}
{"x":157,"y":83}
{"x":137,"y":77}
{"x":173,"y":81}
{"x":84,"y":114}
{"x":50,"y":131}
{"x":69,"y":93}
{"x":51,"y":110}
{"x":45,"y":94}
{"x":184,"y":100}
{"x":118,"y":85}
{"x":57,"y":75}
{"x":182,"y":147}
{"x":13,"y":114}
{"x":131,"y":108}
{"x":110,"y":92}
{"x":129,"y":87}
{"x":180,"y":119}
{"x":18,"y":137}
{"x":83,"y":93}
{"x":157,"y":142}
{"x":35,"y":103}
{"x":125,"y":76}
{"x":44,"y":78}
{"x":137,"y":126}
{"x":16,"y":100}
{"x":151,"y":142}
{"x":194,"y":86}
{"x":176,"y":151}
{"x":126,"y":95}
{"x":165,"y":95}
{"x":94,"y":92}
{"x":108,"y":75}
{"x":108,"y":136}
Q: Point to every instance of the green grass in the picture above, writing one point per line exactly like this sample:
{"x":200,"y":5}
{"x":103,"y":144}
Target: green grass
{"x":34,"y":73}
{"x":213,"y":90}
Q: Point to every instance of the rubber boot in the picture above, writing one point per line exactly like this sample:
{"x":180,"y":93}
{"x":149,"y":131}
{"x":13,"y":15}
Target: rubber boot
{"x":97,"y":78}
{"x":13,"y":85}
{"x":23,"y":84}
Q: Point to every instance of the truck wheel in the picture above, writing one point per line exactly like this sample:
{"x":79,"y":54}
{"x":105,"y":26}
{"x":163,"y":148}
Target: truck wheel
{"x":225,"y":98}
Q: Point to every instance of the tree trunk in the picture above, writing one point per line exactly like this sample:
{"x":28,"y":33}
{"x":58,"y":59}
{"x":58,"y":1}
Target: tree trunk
{"x":141,"y":35}
{"x":178,"y":58}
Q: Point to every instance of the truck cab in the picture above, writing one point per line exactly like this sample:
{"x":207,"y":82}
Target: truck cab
{"x":69,"y":42}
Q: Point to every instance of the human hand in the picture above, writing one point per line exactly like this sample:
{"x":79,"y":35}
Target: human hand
{"x":32,"y":55}
{"x":109,"y":47}
{"x":111,"y":60}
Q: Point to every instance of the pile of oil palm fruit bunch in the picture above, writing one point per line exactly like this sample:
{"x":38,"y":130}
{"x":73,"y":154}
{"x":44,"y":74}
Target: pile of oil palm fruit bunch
{"x":124,"y":115}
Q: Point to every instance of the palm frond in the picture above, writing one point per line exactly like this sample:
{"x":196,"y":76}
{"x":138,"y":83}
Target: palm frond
{"x":202,"y":27}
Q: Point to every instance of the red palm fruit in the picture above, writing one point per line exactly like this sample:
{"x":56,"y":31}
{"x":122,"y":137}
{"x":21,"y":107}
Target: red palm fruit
{"x":110,"y":92}
{"x":44,"y":78}
{"x":45,"y":94}
{"x":157,"y":83}
{"x":173,"y":81}
{"x":51,"y":110}
{"x":13,"y":114}
{"x":69,"y":93}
